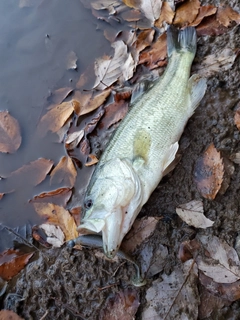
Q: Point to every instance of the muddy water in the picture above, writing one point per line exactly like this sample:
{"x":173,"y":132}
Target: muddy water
{"x":34,"y":44}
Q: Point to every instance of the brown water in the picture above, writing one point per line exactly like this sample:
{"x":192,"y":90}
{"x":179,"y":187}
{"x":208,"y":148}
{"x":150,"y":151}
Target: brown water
{"x":34,"y":44}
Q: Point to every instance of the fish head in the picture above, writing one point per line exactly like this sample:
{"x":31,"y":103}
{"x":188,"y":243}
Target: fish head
{"x":111,"y":204}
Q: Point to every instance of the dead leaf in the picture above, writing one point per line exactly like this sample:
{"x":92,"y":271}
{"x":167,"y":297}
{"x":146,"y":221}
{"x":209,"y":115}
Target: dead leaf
{"x":173,"y":295}
{"x":73,"y":139}
{"x":228,"y":173}
{"x":204,"y":11}
{"x":156,"y":55}
{"x":59,"y":95}
{"x":86,"y":77}
{"x":72,"y":60}
{"x":189,"y":249}
{"x":151,"y":9}
{"x":10,"y":135}
{"x":141,"y":230}
{"x":114,"y":113}
{"x":122,"y":305}
{"x":65,"y":172}
{"x":210,"y":27}
{"x":55,"y":118}
{"x":237,"y":118}
{"x":93,"y":160}
{"x":226,"y":15}
{"x":144,"y":39}
{"x":108,"y":70}
{"x":131,"y":15}
{"x":85,"y":147}
{"x":91,"y":100}
{"x":60,"y":196}
{"x":40,"y":236}
{"x":33,"y":173}
{"x":109,"y":5}
{"x":122,"y":95}
{"x":222,"y":263}
{"x":58,"y":216}
{"x":55,"y":236}
{"x":209,"y":171}
{"x":192,"y":214}
{"x":9,"y":315}
{"x":186,"y":13}
{"x":12,"y":262}
{"x":216,"y":62}
{"x":167,"y":15}
{"x":227,"y":291}
{"x":92,"y":123}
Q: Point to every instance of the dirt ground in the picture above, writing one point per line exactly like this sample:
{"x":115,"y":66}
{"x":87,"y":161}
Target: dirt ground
{"x":71,"y":284}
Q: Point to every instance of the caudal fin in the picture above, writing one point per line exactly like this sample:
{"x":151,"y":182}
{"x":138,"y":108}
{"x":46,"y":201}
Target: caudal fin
{"x":183,"y":40}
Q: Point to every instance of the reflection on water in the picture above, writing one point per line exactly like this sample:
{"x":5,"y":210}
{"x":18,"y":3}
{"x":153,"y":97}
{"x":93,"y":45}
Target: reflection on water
{"x":34,"y":44}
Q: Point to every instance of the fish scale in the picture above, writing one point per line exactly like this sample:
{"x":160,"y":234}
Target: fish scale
{"x":143,"y":146}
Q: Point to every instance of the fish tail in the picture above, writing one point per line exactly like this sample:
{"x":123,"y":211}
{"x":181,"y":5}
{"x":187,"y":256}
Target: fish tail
{"x":181,"y":41}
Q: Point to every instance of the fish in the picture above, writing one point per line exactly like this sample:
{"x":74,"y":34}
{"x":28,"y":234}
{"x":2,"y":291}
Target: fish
{"x":144,"y":146}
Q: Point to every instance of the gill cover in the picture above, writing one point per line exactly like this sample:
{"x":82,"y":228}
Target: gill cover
{"x":116,"y":199}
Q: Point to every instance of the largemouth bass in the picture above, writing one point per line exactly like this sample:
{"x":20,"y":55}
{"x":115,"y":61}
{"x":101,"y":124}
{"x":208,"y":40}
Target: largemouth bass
{"x":143,"y":146}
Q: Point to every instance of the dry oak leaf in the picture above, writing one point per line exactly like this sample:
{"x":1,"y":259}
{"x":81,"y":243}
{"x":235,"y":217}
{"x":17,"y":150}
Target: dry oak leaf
{"x":33,"y":173}
{"x":55,"y":118}
{"x":209,"y":26}
{"x":60,"y":196}
{"x":93,"y":160}
{"x":73,"y":139}
{"x":65,"y":172}
{"x":222,"y":263}
{"x":9,"y":315}
{"x":186,"y":13}
{"x":108,"y":70}
{"x":59,"y":95}
{"x":209,"y":171}
{"x":10,"y":135}
{"x":59,"y":217}
{"x":173,"y":295}
{"x":204,"y":11}
{"x":192,"y":214}
{"x":90,"y":101}
{"x":144,"y":39}
{"x":167,"y":15}
{"x":12,"y":262}
{"x":227,"y":15}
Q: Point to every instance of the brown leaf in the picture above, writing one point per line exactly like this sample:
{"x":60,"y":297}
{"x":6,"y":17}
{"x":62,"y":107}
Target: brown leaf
{"x":93,"y":160}
{"x":91,"y":100}
{"x":131,"y":15}
{"x":186,"y":13}
{"x":122,"y":305}
{"x":9,"y":315}
{"x":237,"y":118}
{"x":85,"y":147}
{"x":167,"y":15}
{"x":58,"y":216}
{"x":10,"y":135}
{"x":188,"y":250}
{"x":226,"y":15}
{"x":122,"y":95}
{"x":33,"y":173}
{"x":156,"y":55}
{"x":144,"y":39}
{"x":141,"y":230}
{"x":91,"y":125}
{"x":12,"y":262}
{"x":204,"y":11}
{"x":59,"y":95}
{"x":132,"y":3}
{"x":210,"y":27}
{"x":55,"y":118}
{"x":209,"y":172}
{"x":85,"y":77}
{"x":60,"y":196}
{"x":114,"y":112}
{"x":65,"y":172}
{"x":40,"y":237}
{"x":73,"y":139}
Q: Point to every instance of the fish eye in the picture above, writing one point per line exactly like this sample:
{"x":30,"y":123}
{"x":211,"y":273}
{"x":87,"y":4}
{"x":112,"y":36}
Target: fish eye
{"x":88,"y":204}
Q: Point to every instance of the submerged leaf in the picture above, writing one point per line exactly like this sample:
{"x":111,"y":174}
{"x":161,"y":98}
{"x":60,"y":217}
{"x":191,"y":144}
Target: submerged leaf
{"x":10,"y":135}
{"x":209,"y":173}
{"x":72,"y":60}
{"x":59,"y":196}
{"x":114,"y":112}
{"x":59,"y":95}
{"x":192,"y":214}
{"x":59,"y":217}
{"x":65,"y":172}
{"x":12,"y":262}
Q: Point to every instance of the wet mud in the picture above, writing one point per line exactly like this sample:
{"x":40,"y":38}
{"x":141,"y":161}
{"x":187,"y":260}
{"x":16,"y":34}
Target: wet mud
{"x":69,"y":284}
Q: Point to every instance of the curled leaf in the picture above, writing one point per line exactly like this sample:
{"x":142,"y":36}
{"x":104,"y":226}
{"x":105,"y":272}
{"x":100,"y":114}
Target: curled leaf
{"x":204,"y":11}
{"x":10,"y":135}
{"x":192,"y":214}
{"x":209,"y":172}
{"x":186,"y":13}
{"x":93,"y":160}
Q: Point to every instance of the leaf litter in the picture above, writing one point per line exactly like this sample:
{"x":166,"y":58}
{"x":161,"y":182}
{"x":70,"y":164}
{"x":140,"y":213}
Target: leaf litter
{"x":64,"y":173}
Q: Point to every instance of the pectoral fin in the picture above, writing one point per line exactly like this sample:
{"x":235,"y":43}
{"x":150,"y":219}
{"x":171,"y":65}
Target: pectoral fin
{"x":141,"y":148}
{"x":197,"y":87}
